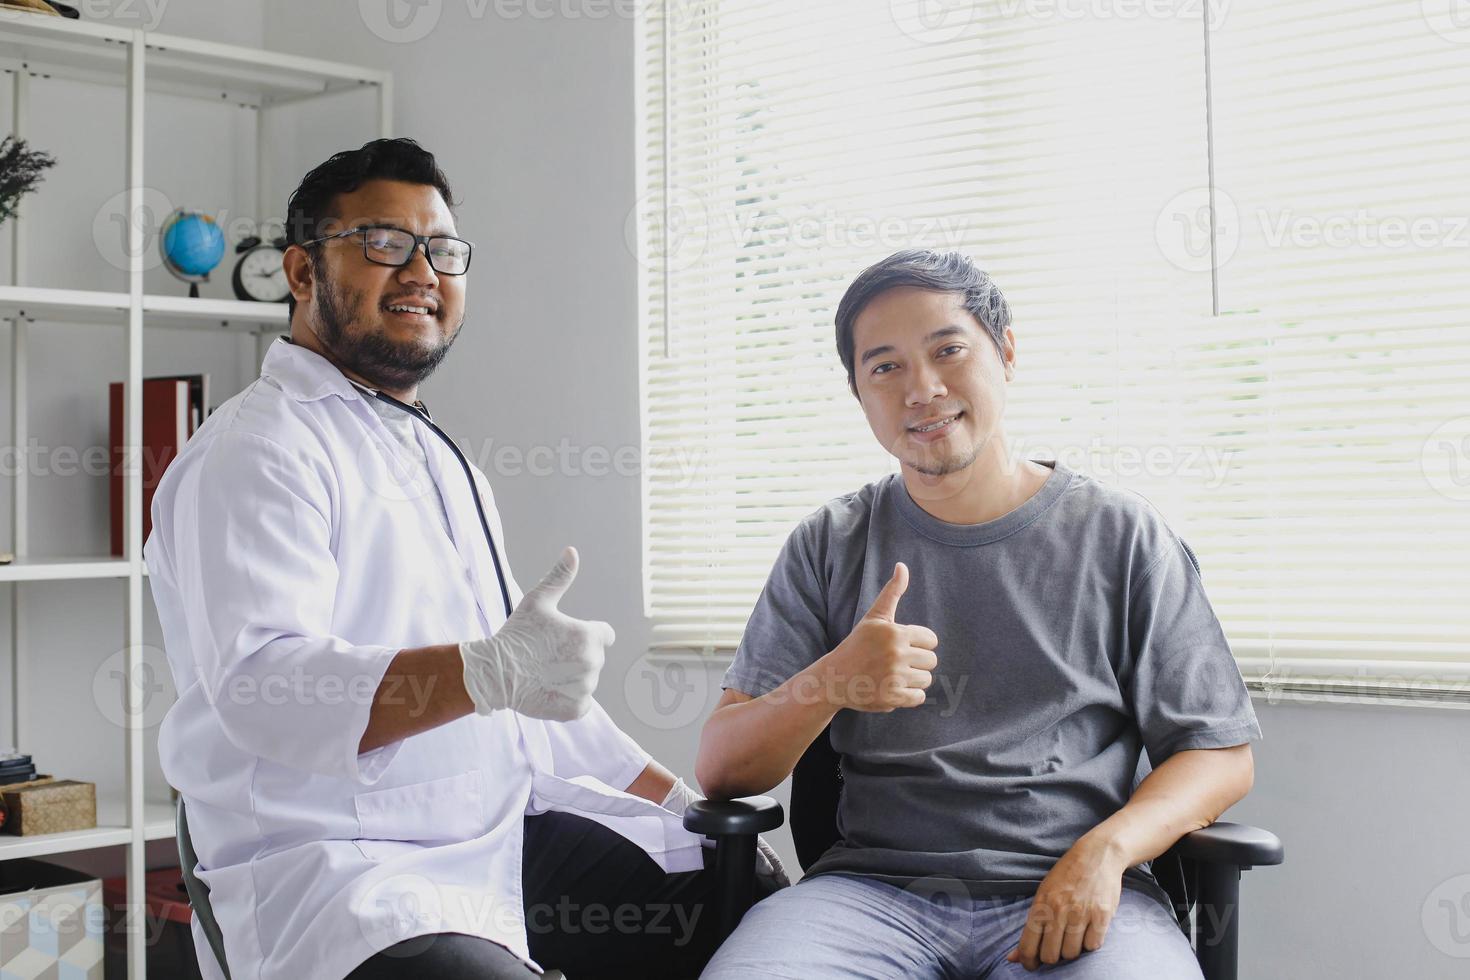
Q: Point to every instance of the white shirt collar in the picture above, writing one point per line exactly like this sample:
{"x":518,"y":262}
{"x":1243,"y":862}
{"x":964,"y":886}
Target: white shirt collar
{"x":306,"y":375}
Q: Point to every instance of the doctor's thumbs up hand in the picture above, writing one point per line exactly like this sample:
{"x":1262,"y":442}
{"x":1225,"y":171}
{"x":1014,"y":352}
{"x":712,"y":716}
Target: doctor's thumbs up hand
{"x":542,"y":662}
{"x":882,"y":664}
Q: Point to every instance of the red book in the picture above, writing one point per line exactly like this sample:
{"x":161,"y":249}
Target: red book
{"x":166,"y":417}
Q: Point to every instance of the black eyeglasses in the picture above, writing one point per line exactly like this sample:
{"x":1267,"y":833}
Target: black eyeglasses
{"x":386,"y":245}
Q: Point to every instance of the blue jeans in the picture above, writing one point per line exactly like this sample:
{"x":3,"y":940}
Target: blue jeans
{"x":842,"y":925}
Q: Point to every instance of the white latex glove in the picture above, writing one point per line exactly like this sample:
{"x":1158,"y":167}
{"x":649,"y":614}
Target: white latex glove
{"x":542,"y":662}
{"x":767,"y":863}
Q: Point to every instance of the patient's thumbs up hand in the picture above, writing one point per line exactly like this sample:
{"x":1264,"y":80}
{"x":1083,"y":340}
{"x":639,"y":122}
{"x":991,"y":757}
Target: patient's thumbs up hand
{"x":882,"y":664}
{"x":885,"y":607}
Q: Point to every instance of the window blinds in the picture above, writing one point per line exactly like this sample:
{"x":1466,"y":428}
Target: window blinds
{"x":1337,"y":373}
{"x":1293,"y":404}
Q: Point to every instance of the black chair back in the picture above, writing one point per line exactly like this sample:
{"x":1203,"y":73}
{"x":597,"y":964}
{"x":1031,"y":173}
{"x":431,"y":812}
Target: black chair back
{"x":816,"y":787}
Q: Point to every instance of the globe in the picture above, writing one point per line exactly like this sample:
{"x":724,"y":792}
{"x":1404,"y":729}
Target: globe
{"x":192,"y":245}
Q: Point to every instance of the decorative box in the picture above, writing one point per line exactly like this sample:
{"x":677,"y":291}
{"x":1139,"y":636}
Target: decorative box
{"x":48,"y":806}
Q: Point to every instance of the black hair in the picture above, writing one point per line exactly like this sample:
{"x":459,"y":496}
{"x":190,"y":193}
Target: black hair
{"x":949,"y":272}
{"x":313,"y":203}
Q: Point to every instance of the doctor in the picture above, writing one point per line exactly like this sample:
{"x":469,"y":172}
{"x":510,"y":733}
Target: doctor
{"x":392,"y":760}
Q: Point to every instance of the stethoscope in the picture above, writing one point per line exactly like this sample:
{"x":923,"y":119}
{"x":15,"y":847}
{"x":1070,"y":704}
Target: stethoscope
{"x":464,"y":465}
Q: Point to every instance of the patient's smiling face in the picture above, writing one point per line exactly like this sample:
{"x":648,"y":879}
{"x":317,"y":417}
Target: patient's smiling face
{"x":929,"y":378}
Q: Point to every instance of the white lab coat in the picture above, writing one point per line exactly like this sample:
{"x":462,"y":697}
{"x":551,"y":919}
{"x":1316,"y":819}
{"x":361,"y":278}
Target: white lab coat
{"x":288,"y":566}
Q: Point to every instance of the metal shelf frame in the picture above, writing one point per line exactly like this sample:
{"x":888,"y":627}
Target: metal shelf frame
{"x":142,"y":63}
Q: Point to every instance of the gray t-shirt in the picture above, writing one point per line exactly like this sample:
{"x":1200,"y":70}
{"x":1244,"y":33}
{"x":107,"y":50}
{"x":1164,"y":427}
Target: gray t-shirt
{"x":1074,"y":632}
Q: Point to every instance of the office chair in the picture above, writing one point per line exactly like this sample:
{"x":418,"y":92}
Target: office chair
{"x":199,"y":894}
{"x":1200,"y":873}
{"x":198,"y":891}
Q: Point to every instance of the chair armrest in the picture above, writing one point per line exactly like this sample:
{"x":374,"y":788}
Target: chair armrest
{"x":734,"y":825}
{"x":1232,"y":843}
{"x":726,"y":818}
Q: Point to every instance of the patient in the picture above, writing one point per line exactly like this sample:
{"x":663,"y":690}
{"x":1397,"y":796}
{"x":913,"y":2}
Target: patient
{"x":993,"y":643}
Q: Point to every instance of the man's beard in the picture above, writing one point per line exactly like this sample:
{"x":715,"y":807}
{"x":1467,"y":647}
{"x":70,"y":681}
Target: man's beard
{"x":370,"y":355}
{"x":947,"y":465}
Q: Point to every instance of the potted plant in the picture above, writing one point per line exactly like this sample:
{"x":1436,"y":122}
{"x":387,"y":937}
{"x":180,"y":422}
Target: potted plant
{"x":21,"y":169}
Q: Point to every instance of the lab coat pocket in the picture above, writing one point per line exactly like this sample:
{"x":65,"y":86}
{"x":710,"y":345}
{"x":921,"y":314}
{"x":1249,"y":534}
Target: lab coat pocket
{"x":441,"y":811}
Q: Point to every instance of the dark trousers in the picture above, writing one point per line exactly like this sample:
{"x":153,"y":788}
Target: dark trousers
{"x":596,"y":907}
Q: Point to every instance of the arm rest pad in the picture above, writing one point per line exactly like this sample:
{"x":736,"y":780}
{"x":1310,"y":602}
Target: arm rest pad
{"x":1232,"y":843}
{"x":724,"y":818}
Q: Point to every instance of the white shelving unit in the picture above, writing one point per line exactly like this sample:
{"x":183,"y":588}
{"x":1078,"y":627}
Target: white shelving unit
{"x":141,"y":63}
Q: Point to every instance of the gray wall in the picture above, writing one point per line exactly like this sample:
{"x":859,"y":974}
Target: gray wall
{"x":533,"y":119}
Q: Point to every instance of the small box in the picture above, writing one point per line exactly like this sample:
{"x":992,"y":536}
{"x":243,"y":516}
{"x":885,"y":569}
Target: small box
{"x":51,"y":922}
{"x":48,"y":806}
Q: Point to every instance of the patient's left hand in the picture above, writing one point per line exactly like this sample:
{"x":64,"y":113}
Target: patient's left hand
{"x":1073,"y":906}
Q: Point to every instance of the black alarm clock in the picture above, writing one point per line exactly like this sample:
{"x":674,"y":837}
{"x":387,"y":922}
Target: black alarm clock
{"x":260,"y":274}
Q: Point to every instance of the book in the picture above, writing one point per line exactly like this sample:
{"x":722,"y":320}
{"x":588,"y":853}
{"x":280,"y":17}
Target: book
{"x":167,"y":413}
{"x":198,"y":396}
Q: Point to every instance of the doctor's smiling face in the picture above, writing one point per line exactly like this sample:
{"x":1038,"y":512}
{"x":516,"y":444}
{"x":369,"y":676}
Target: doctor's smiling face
{"x":385,"y":326}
